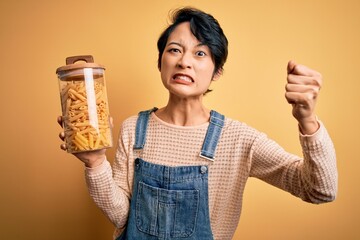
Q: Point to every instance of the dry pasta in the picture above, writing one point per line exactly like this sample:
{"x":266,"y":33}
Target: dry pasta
{"x":85,"y":132}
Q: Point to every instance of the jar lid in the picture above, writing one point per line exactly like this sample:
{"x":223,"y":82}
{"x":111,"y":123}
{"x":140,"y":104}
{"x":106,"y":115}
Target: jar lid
{"x":87,"y":61}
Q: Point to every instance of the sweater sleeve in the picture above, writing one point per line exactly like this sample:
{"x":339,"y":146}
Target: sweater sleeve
{"x":312,"y":177}
{"x":109,"y":186}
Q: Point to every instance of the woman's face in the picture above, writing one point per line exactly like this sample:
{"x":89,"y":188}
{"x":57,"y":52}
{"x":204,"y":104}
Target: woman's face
{"x":187,"y":67}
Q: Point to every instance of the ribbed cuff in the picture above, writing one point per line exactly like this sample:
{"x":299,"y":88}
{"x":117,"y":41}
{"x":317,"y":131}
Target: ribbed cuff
{"x":99,"y":169}
{"x":310,"y":140}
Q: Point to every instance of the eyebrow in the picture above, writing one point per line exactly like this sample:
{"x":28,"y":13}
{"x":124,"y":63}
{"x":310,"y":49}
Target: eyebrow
{"x":175,"y":43}
{"x":180,"y":45}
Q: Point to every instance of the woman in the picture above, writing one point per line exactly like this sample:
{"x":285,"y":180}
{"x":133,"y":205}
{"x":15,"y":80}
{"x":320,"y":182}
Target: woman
{"x":180,"y":171}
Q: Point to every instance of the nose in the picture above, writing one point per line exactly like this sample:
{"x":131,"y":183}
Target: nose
{"x":185,"y":61}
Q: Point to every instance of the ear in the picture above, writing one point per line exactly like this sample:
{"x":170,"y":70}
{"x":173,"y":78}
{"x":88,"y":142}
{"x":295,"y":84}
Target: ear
{"x":217,"y":74}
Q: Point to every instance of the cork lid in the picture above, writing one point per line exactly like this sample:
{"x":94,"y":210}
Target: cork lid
{"x":77,"y":62}
{"x":75,"y":65}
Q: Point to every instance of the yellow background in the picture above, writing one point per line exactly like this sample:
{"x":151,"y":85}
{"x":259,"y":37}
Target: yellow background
{"x":42,"y":189}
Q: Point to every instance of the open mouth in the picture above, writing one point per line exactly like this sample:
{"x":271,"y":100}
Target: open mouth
{"x":183,"y":78}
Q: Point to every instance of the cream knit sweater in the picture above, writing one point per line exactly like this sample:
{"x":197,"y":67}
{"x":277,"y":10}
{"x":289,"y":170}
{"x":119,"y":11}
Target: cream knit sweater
{"x":242,"y":152}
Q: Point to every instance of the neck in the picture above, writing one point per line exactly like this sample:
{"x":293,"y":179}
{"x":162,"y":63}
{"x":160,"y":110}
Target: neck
{"x":184,"y":113}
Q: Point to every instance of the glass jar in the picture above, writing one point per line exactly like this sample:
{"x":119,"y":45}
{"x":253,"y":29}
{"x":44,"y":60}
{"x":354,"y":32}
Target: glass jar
{"x":84,"y":103}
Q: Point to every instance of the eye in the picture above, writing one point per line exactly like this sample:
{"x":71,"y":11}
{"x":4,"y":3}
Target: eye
{"x":200,"y":53}
{"x":174,"y":50}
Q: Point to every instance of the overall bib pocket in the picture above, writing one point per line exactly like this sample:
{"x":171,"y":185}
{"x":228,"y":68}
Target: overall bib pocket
{"x":162,"y":212}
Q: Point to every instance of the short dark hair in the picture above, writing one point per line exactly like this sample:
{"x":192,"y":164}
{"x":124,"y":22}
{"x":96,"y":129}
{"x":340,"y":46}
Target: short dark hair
{"x":205,"y":28}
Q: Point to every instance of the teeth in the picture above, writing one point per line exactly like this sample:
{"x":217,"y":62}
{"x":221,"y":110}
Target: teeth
{"x":184,"y":78}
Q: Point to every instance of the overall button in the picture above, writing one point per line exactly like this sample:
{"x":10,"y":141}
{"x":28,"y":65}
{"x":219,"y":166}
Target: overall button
{"x":137,"y":162}
{"x":203,"y":169}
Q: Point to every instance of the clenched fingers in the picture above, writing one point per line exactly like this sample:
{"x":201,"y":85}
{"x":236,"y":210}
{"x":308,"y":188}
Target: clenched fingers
{"x":301,"y":70}
{"x":302,"y":94}
{"x":303,"y":84}
{"x":61,"y":134}
{"x":302,"y":89}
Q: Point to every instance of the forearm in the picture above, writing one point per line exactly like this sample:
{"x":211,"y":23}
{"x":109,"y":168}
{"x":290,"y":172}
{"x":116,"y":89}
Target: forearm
{"x":319,"y":173}
{"x":312,"y":178}
{"x":106,"y":194}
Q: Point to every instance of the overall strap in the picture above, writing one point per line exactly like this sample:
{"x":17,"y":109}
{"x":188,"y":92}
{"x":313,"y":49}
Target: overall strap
{"x":141,"y":127}
{"x":212,"y":135}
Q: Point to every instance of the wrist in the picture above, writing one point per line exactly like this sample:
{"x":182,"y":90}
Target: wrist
{"x":308,"y":126}
{"x":93,"y":163}
{"x":92,"y":159}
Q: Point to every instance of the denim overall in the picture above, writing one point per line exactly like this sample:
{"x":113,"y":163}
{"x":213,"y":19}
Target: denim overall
{"x":171,"y":202}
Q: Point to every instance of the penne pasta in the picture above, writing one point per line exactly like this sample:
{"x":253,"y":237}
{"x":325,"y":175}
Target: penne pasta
{"x":84,"y":132}
{"x":97,"y":143}
{"x":79,"y":145}
{"x":78,"y":105}
{"x":81,"y":138}
{"x":91,"y":141}
{"x":88,"y":130}
{"x":76,"y":94}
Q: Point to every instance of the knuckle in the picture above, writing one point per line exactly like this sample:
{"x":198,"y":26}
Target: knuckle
{"x":315,"y":91}
{"x":310,"y":96}
{"x":297,"y":68}
{"x":316,"y":82}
